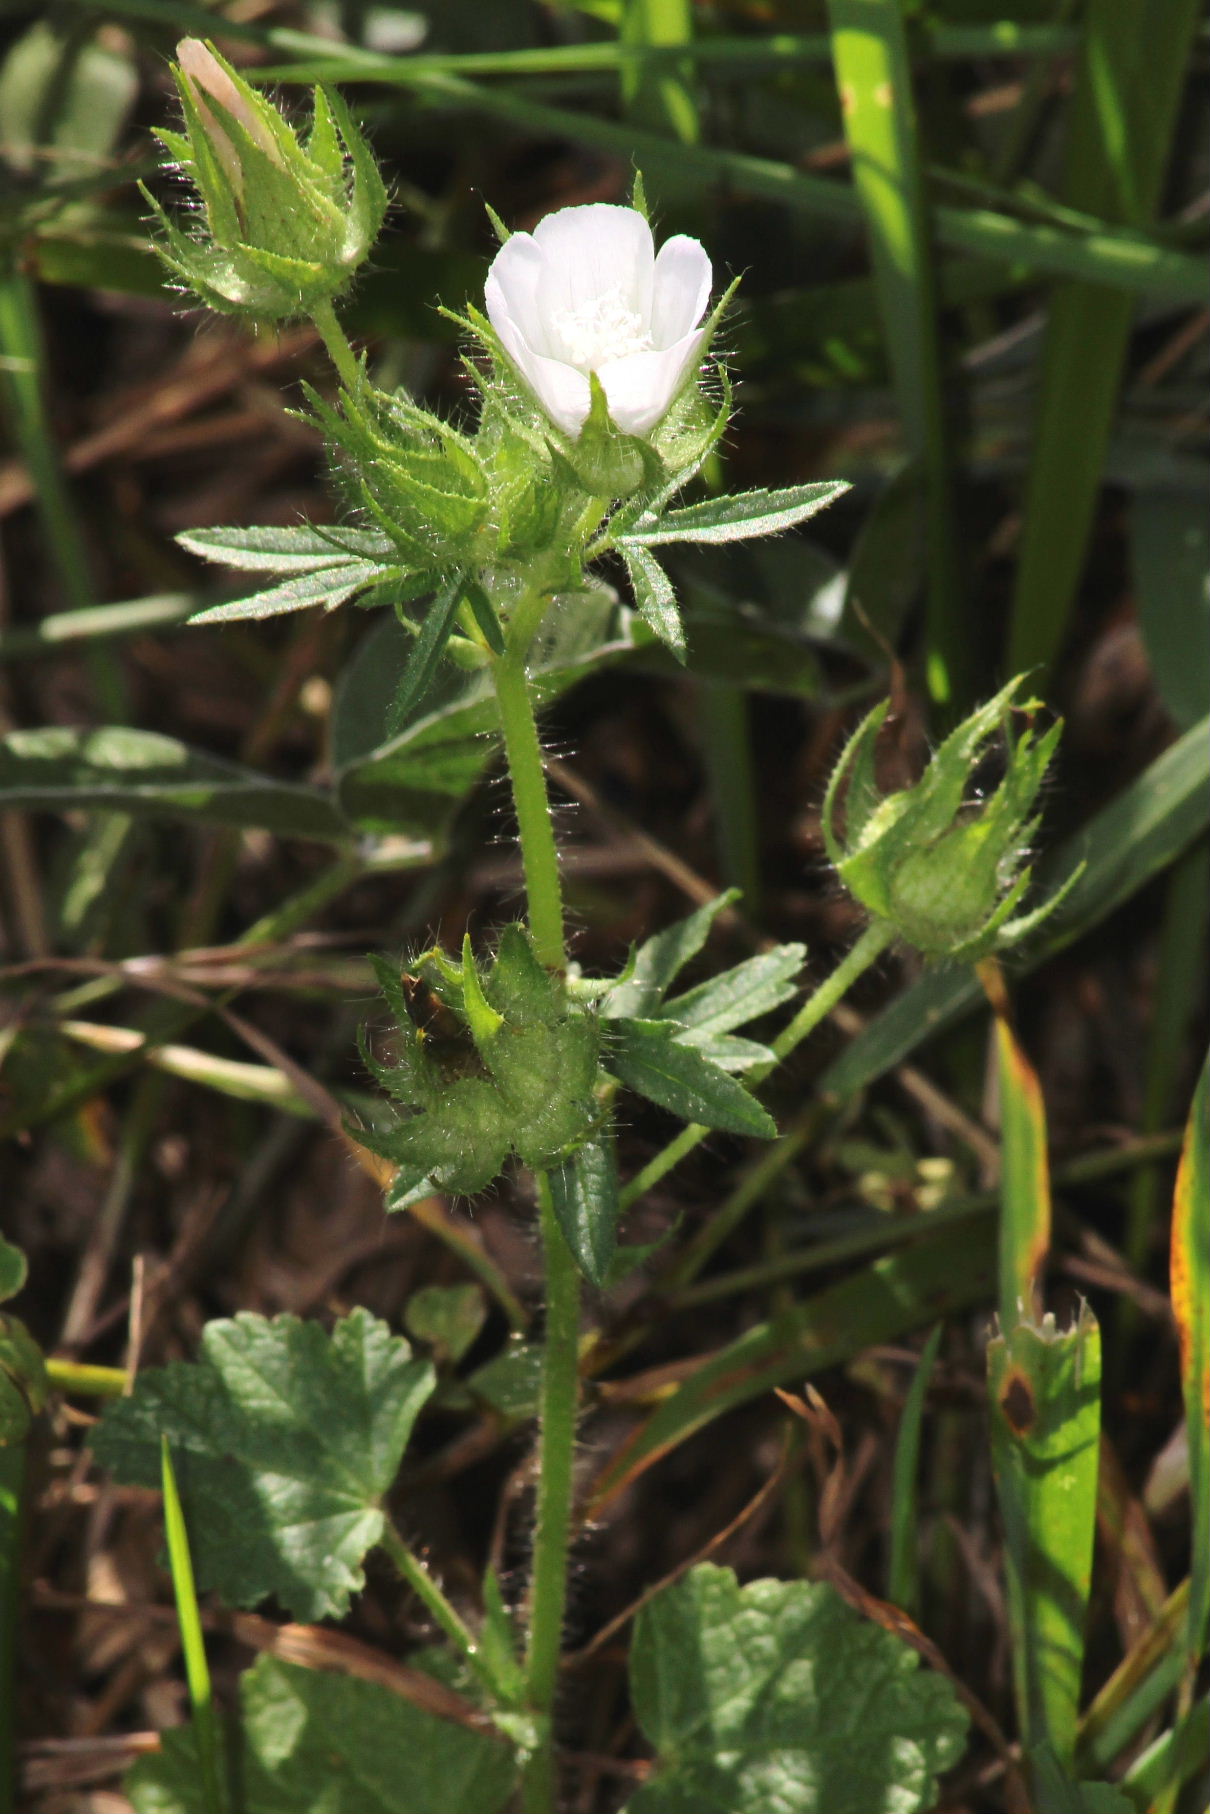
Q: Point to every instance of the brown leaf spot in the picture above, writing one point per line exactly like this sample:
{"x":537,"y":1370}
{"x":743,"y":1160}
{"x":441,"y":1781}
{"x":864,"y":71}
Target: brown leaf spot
{"x":1017,"y":1404}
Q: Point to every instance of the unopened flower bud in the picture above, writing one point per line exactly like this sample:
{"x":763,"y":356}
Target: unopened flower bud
{"x":286,"y":220}
{"x":946,"y":870}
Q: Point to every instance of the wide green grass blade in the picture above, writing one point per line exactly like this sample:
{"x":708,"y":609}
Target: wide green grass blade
{"x":1128,"y":89}
{"x":1025,"y":1211}
{"x":193,"y":1644}
{"x":1127,"y":843}
{"x":131,"y":617}
{"x":1191,"y":1307}
{"x":1044,"y":1400}
{"x":903,"y":1574}
{"x":874,"y":77}
{"x":657,"y":90}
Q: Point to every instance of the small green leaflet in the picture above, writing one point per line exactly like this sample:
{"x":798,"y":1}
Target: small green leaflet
{"x":584,"y":1190}
{"x":300,"y":549}
{"x":327,"y":586}
{"x":647,"y":1056}
{"x":743,"y":993}
{"x":735,"y":519}
{"x":430,"y":645}
{"x":777,"y":1695}
{"x":318,"y":1743}
{"x":284,"y":1440}
{"x":660,"y":960}
{"x":654,"y":597}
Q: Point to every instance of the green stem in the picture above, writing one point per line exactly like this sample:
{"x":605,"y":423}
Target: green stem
{"x":868,"y":949}
{"x":339,"y":351}
{"x":422,"y":1584}
{"x":560,"y":1365}
{"x":560,"y":1399}
{"x":523,"y":753}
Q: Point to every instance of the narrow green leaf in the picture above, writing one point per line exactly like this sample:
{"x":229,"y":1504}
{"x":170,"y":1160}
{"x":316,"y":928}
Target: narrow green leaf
{"x":740,"y":994}
{"x":313,"y":1740}
{"x":727,"y":1050}
{"x":903,"y":1572}
{"x":738,"y":518}
{"x":584,"y":1192}
{"x":654,"y":597}
{"x":300,"y":548}
{"x":434,"y":633}
{"x":1124,"y":111}
{"x":874,"y":78}
{"x":646,"y":1056}
{"x":1024,"y":1171}
{"x":328,"y":586}
{"x":285,"y":1440}
{"x":1044,"y":1393}
{"x":1190,"y":1275}
{"x":484,"y":613}
{"x":778,"y":1695}
{"x":193,"y":1643}
{"x":142,"y":772}
{"x":660,"y":960}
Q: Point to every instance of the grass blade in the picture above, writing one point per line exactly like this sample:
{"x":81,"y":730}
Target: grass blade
{"x":193,"y":1645}
{"x":1025,"y":1171}
{"x":874,"y":76}
{"x":1123,"y":116}
{"x":903,"y":1575}
{"x":1044,"y":1390}
{"x":1191,"y":1307}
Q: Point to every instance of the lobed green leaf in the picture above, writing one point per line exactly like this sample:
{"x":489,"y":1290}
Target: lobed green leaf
{"x":285,"y":1440}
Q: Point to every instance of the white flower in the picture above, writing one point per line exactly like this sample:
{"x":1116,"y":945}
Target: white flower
{"x":584,"y":292}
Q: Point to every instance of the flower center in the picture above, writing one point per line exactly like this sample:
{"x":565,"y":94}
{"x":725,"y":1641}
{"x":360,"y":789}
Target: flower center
{"x":605,"y":328}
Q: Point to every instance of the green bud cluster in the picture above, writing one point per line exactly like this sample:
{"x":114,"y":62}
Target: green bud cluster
{"x":286,"y":221}
{"x":944,"y":870}
{"x":518,"y":1076}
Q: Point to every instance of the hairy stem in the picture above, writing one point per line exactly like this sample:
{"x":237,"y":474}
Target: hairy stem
{"x":543,"y":889}
{"x":418,"y":1578}
{"x":339,"y":351}
{"x":560,"y":1364}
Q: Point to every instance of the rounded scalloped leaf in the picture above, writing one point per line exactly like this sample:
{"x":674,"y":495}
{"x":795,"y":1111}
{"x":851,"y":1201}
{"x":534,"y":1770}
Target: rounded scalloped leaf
{"x":284,"y":1440}
{"x":778,"y":1696}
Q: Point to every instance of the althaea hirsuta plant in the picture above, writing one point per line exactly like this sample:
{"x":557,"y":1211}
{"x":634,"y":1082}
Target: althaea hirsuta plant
{"x":597,"y":406}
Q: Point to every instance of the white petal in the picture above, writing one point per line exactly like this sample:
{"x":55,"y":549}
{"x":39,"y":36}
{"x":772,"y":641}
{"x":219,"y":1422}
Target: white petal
{"x":682,"y":281}
{"x":640,"y":388}
{"x":590,"y":251}
{"x":511,"y":288}
{"x":561,"y":390}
